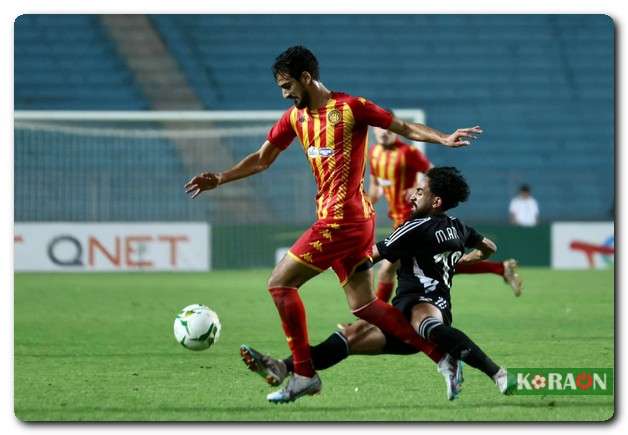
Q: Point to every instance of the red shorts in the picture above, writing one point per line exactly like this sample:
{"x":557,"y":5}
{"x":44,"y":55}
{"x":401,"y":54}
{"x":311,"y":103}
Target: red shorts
{"x":343,"y":246}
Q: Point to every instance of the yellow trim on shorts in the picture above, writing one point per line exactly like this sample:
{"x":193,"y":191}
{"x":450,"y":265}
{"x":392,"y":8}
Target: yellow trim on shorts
{"x":361,"y":262}
{"x":305,"y":263}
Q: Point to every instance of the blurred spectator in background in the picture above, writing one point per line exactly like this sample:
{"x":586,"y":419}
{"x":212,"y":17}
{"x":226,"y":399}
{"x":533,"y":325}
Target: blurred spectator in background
{"x":524,"y":210}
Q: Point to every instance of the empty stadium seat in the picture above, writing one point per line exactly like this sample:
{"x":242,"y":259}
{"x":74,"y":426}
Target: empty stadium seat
{"x":68,"y":62}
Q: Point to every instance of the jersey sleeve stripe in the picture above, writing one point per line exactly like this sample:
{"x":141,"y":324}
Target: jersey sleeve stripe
{"x":409,"y":226}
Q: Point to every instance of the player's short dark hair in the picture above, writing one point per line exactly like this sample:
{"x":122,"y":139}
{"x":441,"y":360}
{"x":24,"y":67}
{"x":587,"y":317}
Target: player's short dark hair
{"x":294,"y":61}
{"x":524,"y":188}
{"x":449,"y":184}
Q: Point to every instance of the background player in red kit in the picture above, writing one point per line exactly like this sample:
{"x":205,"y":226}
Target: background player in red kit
{"x":395,"y":167}
{"x":332,"y":127}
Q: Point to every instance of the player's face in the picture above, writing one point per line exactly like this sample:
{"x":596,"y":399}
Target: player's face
{"x":385,"y":137}
{"x":422,"y":199}
{"x":294,"y":90}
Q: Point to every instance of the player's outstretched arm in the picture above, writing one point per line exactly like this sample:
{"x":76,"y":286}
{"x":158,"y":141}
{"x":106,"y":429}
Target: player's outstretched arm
{"x":423,"y":133}
{"x":251,"y":164}
{"x":481,"y":251}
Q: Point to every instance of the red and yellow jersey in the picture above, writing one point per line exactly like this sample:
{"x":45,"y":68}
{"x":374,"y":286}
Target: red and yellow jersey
{"x":396,"y":169}
{"x":335,"y":142}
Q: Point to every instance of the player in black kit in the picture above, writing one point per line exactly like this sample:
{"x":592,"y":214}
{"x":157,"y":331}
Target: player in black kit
{"x":429,"y":245}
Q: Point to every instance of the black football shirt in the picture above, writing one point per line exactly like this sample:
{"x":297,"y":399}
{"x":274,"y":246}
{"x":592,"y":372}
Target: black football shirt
{"x":429,"y":249}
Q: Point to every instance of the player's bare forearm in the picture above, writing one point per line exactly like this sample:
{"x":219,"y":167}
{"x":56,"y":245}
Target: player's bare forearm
{"x":207,"y":181}
{"x":251,"y":164}
{"x":423,"y":133}
{"x":482,"y":251}
{"x":472,"y":257}
{"x":420,"y":132}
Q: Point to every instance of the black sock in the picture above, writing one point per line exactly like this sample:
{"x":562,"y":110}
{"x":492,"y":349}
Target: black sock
{"x":326,"y":354}
{"x":458,"y":345}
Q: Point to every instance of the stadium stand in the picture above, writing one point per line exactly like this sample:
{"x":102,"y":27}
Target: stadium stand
{"x":68,"y":62}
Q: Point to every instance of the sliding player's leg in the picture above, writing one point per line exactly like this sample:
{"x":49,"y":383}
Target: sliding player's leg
{"x":434,"y":324}
{"x":357,"y":338}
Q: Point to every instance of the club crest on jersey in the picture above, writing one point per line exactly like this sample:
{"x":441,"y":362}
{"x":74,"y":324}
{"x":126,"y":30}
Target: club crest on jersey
{"x":313,"y":152}
{"x":334,"y":117}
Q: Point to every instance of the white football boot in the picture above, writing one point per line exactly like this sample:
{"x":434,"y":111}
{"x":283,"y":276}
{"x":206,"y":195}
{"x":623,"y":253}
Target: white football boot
{"x":297,"y":386}
{"x":451,"y":370}
{"x":502,"y":382}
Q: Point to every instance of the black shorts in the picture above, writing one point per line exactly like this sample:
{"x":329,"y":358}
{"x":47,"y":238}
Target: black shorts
{"x":404,"y":303}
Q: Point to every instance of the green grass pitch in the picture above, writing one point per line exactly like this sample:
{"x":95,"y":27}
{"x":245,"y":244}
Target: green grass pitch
{"x":100,"y":347}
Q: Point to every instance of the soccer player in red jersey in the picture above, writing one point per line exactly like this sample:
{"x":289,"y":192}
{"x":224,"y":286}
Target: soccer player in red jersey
{"x":332,"y":128}
{"x":395,"y":167}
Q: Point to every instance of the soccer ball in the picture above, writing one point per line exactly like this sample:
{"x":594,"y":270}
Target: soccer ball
{"x":196,"y":327}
